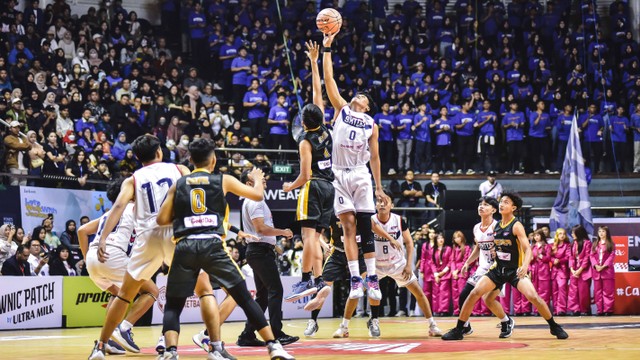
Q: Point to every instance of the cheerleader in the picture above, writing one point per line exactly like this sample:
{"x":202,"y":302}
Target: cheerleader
{"x":441,"y":268}
{"x":602,"y":271}
{"x":425,"y":265}
{"x":560,"y":253}
{"x":580,"y":267}
{"x":540,"y":270}
{"x":460,"y":254}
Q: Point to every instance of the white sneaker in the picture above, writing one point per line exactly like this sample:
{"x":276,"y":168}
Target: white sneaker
{"x":161,"y":346}
{"x":374,"y":327}
{"x":401,"y":313}
{"x":518,"y":172}
{"x":356,"y":288}
{"x":410,"y":313}
{"x":276,"y":352}
{"x":391,"y":172}
{"x":536,"y":173}
{"x":97,"y":353}
{"x":459,"y":172}
{"x":312,"y":328}
{"x":113,"y":348}
{"x":434,"y":331}
{"x":470,"y":172}
{"x":449,"y":173}
{"x":169,"y":355}
{"x":215,"y":355}
{"x":342,"y":332}
{"x":201,"y":340}
{"x":373,"y":288}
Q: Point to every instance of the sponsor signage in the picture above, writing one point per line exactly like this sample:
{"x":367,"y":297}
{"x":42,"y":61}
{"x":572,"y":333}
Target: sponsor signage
{"x":191,"y":311}
{"x":29,"y":302}
{"x":84,"y":303}
{"x":274,"y":196}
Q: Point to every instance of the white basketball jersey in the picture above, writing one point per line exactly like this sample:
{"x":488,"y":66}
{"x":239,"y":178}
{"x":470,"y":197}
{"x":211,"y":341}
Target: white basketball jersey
{"x":351,"y":133}
{"x":385,"y":254}
{"x":486,"y":245}
{"x":120,"y":236}
{"x":152,"y":184}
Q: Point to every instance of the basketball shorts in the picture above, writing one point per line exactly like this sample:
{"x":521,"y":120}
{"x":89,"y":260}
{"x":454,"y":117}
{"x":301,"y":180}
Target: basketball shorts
{"x":354,"y":191}
{"x":501,"y":276}
{"x":108,"y":273}
{"x":475,"y":277}
{"x":394,"y":271}
{"x":315,"y":204}
{"x":336,"y":266}
{"x":150,"y":250}
{"x":193,"y":255}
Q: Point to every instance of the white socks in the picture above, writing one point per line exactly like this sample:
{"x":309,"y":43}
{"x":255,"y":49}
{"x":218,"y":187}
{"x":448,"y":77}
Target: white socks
{"x":345,"y":322}
{"x":217,"y":345}
{"x":371,"y":266}
{"x":505,"y":318}
{"x":432,"y":322}
{"x":125,"y":325}
{"x":354,"y":268}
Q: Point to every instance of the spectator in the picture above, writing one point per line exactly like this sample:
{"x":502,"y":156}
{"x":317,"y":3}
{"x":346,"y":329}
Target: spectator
{"x":618,"y":128}
{"x":50,"y":238}
{"x":120,"y":146}
{"x":78,"y":168}
{"x":539,"y":127}
{"x":17,"y":265}
{"x":8,"y":247}
{"x":434,"y":193}
{"x":61,"y":265}
{"x":255,"y":100}
{"x":402,"y":124}
{"x":593,"y":127}
{"x":411,"y":195}
{"x":278,"y":121}
{"x":69,"y":236}
{"x":464,"y":130}
{"x":635,"y":127}
{"x":443,"y":129}
{"x":513,"y":122}
{"x":491,"y":187}
{"x":421,"y":127}
{"x":36,"y":155}
{"x":384,"y":120}
{"x":17,"y":147}
{"x":54,"y":158}
{"x":38,"y":260}
{"x":486,"y":122}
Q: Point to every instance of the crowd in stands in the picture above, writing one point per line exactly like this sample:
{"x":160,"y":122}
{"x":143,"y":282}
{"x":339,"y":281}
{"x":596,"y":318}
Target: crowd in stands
{"x":473,"y":90}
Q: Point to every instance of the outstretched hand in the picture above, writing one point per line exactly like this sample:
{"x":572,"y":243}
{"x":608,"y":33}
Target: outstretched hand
{"x":328,"y":39}
{"x":313,"y":50}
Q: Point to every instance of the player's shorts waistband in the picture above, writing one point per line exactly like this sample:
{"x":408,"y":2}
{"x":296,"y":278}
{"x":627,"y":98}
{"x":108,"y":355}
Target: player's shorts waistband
{"x":260,"y":244}
{"x":350,"y":168}
{"x":202,"y":237}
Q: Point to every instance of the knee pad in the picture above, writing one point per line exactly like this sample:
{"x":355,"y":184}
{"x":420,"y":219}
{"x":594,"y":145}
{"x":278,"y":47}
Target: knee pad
{"x":363,"y":225}
{"x":172,"y":311}
{"x":464,"y":294}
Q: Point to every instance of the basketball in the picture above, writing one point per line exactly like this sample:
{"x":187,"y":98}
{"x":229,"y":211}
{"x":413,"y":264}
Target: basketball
{"x":329,"y":21}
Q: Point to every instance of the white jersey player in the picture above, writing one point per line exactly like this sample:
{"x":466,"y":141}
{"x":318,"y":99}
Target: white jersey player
{"x":392,"y":250}
{"x":148,"y":188}
{"x":355,"y":144}
{"x":485,"y":253}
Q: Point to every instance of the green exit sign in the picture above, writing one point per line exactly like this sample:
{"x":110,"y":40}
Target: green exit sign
{"x":282,"y":169}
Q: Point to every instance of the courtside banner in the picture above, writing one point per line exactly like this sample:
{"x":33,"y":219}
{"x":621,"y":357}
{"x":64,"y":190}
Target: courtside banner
{"x":84,"y":303}
{"x":30,"y":302}
{"x":191,"y":311}
{"x":36,"y":203}
{"x":274,"y":196}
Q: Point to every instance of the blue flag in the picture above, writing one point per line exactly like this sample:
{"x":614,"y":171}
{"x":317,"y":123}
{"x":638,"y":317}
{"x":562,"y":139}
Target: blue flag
{"x":572,"y":205}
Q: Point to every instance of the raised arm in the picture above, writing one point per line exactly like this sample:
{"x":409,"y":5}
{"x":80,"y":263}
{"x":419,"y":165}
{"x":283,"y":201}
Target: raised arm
{"x":337,"y":101}
{"x":234,"y":186}
{"x":313,"y":51}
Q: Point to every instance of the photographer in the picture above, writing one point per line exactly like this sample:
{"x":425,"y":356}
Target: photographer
{"x":38,"y":260}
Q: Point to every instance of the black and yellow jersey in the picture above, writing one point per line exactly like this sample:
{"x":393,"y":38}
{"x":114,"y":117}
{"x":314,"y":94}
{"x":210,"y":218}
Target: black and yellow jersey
{"x":321,"y":148}
{"x":507,"y":247}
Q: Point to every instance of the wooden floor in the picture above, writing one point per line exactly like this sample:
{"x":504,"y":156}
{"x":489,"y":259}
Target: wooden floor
{"x":590,"y":338}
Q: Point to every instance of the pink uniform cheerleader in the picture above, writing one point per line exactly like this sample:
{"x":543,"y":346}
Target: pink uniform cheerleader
{"x":460,"y":254}
{"x":560,"y":253}
{"x":602,"y":272}
{"x":580,"y":267}
{"x":441,"y":268}
{"x":540,"y":269}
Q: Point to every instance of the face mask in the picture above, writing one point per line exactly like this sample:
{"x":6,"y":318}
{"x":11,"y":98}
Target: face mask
{"x":162,"y":121}
{"x":231,"y":112}
{"x":80,"y":54}
{"x":185,"y":142}
{"x":72,"y":137}
{"x":216,"y":109}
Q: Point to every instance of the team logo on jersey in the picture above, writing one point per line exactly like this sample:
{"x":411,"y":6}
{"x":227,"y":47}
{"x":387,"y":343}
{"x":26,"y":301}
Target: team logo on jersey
{"x":354,"y":121}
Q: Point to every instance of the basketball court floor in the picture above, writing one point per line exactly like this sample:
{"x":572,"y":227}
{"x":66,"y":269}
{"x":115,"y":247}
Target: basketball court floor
{"x":609,"y":338}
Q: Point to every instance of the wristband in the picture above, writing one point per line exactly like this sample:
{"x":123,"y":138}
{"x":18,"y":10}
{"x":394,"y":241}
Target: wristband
{"x":326,"y":49}
{"x":234,"y":229}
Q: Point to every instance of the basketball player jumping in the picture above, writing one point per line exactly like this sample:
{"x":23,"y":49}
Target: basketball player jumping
{"x":513,"y":254}
{"x":355,"y":138}
{"x":316,"y":199}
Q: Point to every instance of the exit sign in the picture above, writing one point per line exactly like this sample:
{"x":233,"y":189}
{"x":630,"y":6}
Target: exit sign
{"x":282,"y":169}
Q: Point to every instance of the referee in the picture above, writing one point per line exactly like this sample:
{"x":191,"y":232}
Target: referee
{"x":261,"y":256}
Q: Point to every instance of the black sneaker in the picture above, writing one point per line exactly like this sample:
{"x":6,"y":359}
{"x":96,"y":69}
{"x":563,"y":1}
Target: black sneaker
{"x":453,"y":334}
{"x":507,"y":328}
{"x":285,"y":339}
{"x":467,"y":330}
{"x":249,"y":341}
{"x":558,"y":332}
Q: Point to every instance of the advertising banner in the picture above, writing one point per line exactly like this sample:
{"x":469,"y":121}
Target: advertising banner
{"x":191,"y":311}
{"x":10,"y":208}
{"x":36,"y":203}
{"x":275,"y":197}
{"x":626,"y":236}
{"x":84,"y":303}
{"x":30,"y":302}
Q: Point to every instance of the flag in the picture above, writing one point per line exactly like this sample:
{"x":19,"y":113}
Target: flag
{"x":572,"y":205}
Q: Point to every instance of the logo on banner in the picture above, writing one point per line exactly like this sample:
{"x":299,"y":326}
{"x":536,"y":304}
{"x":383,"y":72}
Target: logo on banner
{"x":621,"y":251}
{"x":192,"y":301}
{"x":97,"y":297}
{"x":28,"y":304}
{"x":628,"y":291}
